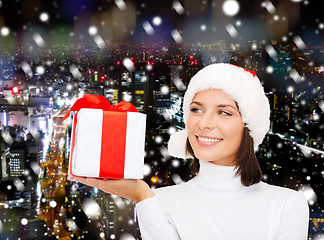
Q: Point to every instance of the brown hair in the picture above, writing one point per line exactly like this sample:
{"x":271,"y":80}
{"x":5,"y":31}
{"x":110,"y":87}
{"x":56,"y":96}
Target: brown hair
{"x":247,"y":167}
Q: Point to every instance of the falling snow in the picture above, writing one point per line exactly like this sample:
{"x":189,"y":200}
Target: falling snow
{"x":231,"y":7}
{"x":148,"y":28}
{"x":157,"y":21}
{"x":93,"y":30}
{"x":44,"y":17}
{"x":4,"y":31}
{"x":176,"y":36}
{"x":91,"y":209}
{"x":24,"y":221}
{"x":38,"y":39}
{"x":44,"y":55}
{"x":231,"y":30}
{"x":178,"y":7}
{"x":269,"y":6}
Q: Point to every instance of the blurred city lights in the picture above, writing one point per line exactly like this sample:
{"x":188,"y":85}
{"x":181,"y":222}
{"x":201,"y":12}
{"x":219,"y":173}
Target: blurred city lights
{"x":154,"y":179}
{"x":15,"y":90}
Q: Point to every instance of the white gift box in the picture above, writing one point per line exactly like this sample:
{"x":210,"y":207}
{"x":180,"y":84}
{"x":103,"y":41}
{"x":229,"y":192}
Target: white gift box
{"x":107,"y":144}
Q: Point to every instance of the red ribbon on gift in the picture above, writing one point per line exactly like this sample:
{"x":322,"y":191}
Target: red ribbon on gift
{"x":100,"y":102}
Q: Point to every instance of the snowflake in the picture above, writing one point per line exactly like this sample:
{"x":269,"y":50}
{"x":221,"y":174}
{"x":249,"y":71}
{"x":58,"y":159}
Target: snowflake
{"x":164,"y":89}
{"x":24,"y":221}
{"x":176,"y":36}
{"x":178,"y":7}
{"x":91,"y":208}
{"x":148,"y":28}
{"x":231,"y":7}
{"x":52,"y":204}
{"x":5,"y":31}
{"x":157,"y":21}
{"x":147,"y":169}
{"x":44,"y":17}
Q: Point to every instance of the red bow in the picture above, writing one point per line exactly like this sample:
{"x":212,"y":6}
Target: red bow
{"x":100,"y":102}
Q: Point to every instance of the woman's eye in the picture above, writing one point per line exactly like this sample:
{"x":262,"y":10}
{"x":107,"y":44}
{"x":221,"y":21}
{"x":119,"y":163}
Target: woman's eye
{"x":225,"y":113}
{"x":195,"y":110}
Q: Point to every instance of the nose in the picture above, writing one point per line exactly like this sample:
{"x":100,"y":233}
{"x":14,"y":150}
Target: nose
{"x":207,"y":121}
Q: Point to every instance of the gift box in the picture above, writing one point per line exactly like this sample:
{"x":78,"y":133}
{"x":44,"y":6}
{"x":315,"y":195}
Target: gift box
{"x":107,"y":141}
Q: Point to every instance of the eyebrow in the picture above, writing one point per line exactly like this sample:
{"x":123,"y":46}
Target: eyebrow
{"x":219,"y":105}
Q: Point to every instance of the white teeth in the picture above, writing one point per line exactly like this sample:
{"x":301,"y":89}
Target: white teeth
{"x":208,"y":139}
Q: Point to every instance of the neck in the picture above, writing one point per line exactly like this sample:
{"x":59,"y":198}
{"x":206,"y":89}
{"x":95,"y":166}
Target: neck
{"x":218,"y":177}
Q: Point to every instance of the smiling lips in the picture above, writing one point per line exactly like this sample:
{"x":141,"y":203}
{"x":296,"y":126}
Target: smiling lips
{"x":207,"y":141}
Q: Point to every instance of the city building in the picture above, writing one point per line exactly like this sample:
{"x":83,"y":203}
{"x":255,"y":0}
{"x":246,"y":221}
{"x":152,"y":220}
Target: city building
{"x":12,"y":163}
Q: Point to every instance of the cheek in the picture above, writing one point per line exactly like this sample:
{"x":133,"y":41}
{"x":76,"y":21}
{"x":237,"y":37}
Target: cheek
{"x":191,"y":128}
{"x":191,"y":124}
{"x":231,"y":128}
{"x":236,"y":131}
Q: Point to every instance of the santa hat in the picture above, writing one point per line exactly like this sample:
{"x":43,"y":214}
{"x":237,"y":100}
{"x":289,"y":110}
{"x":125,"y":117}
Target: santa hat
{"x":243,"y":86}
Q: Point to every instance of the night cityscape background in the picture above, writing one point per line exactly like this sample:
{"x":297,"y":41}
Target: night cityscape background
{"x":145,"y":52}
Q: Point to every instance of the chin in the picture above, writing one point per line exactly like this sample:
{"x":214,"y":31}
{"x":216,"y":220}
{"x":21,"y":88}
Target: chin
{"x":216,"y":158}
{"x":205,"y":157}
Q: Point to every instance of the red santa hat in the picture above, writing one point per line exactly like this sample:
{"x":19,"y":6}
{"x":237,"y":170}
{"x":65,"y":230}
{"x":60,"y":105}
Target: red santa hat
{"x":243,"y":86}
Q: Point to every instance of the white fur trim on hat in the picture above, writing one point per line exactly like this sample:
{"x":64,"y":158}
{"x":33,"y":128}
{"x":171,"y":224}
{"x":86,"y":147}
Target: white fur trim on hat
{"x":241,"y":85}
{"x":177,"y":144}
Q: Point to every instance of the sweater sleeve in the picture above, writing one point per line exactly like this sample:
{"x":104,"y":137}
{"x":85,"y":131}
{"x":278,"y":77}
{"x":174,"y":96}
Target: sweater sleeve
{"x":295,"y":219}
{"x":153,"y":221}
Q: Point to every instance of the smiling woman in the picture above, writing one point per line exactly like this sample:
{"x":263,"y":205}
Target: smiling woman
{"x":227,"y":115}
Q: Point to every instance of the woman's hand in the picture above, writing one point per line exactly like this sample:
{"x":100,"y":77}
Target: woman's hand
{"x":134,"y":189}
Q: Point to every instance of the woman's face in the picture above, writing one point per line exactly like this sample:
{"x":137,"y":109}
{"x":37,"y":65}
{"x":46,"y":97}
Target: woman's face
{"x":215,"y":127}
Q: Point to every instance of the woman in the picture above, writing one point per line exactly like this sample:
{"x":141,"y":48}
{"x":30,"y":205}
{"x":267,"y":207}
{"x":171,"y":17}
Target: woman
{"x":227,"y":116}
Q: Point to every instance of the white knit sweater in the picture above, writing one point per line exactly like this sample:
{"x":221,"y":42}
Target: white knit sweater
{"x":215,"y":205}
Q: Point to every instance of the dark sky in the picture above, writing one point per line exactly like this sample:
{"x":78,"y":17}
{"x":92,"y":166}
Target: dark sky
{"x":301,"y":18}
